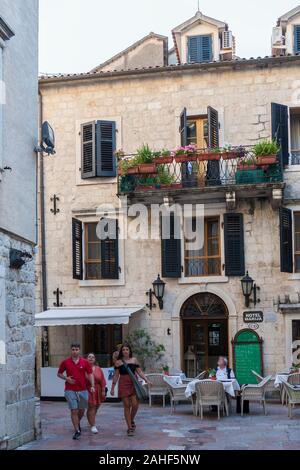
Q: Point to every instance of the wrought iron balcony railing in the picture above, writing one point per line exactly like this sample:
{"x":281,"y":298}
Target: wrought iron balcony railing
{"x":200,"y":170}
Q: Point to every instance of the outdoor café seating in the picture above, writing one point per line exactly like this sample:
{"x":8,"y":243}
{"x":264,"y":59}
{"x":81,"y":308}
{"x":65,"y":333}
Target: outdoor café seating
{"x":293,"y":396}
{"x":210,"y":393}
{"x":159,"y":387}
{"x":177,"y":393}
{"x":255,"y":393}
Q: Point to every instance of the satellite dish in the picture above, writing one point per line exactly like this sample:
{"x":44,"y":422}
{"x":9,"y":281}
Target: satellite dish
{"x":48,"y":138}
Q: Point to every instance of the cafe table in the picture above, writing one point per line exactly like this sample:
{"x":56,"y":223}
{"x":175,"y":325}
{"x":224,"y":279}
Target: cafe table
{"x":281,"y":378}
{"x":230,"y":386}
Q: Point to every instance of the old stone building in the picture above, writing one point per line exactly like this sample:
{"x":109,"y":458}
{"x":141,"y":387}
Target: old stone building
{"x":204,"y":96}
{"x":18,"y":138}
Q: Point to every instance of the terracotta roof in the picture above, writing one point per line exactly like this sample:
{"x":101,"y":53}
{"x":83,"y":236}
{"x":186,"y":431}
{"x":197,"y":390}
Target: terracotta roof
{"x":234,"y":64}
{"x":129,"y":49}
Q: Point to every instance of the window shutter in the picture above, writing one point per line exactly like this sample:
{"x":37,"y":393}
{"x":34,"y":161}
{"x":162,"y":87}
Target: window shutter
{"x":88,"y":150}
{"x":286,"y":240}
{"x":106,"y":148}
{"x":171,"y":250}
{"x":213,"y":168}
{"x":280,"y":130}
{"x":77,"y":249}
{"x":183,"y":128}
{"x":200,"y":49}
{"x":110,"y":251}
{"x":234,"y":244}
{"x":297,"y":39}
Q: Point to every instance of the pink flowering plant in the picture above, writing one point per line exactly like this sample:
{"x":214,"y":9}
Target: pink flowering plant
{"x":187,"y":150}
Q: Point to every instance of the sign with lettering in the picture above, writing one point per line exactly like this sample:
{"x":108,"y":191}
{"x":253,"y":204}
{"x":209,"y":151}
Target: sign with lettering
{"x":253,"y":317}
{"x":247,"y":356}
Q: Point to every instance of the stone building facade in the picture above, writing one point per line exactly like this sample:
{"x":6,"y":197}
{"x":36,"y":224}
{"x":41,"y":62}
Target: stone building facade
{"x":18,"y":137}
{"x":146,"y":106}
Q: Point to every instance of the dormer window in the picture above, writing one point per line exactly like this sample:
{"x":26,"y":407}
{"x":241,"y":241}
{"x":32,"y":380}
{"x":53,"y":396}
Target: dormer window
{"x":200,"y":49}
{"x":297,"y":39}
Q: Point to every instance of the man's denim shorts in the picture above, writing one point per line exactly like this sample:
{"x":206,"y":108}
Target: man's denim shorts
{"x":77,"y":400}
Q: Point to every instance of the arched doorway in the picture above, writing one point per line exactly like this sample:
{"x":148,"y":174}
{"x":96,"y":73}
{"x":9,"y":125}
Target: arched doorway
{"x":204,"y":319}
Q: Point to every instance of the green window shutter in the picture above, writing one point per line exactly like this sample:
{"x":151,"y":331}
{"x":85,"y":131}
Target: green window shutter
{"x":110,"y":250}
{"x":183,"y":128}
{"x":234,"y":244}
{"x":77,"y":249}
{"x":286,"y":240}
{"x":171,"y":249}
{"x":106,"y":148}
{"x":88,"y":150}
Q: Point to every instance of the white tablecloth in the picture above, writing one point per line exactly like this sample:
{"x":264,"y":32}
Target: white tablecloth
{"x":230,"y":387}
{"x":280,"y":379}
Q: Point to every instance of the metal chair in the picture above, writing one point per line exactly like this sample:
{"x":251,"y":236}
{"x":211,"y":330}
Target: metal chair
{"x":177,"y":394}
{"x":158,"y":388}
{"x":293,"y":396}
{"x":210,"y":393}
{"x":255,"y":393}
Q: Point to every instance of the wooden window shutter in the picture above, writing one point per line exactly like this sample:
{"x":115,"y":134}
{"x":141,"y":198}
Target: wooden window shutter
{"x":206,"y":49}
{"x":106,"y":148}
{"x":183,"y":128}
{"x":286,"y":240}
{"x":193,"y":49}
{"x":297,"y":39}
{"x":77,"y":249}
{"x":280,"y":130}
{"x":213,"y":127}
{"x":234,"y":244}
{"x":110,"y":251}
{"x":88,"y":150}
{"x":171,"y":250}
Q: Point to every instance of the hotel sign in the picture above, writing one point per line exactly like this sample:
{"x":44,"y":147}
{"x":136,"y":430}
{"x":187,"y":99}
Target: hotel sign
{"x":253,"y":317}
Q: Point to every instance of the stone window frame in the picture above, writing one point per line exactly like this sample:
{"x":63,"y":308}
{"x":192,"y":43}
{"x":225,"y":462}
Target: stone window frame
{"x":119,"y":144}
{"x":94,"y":218}
{"x":214,"y":210}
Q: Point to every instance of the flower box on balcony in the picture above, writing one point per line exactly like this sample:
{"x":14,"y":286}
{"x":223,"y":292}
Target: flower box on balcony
{"x":266,"y":160}
{"x":147,"y":168}
{"x":230,"y":155}
{"x":176,"y":186}
{"x":163,"y":160}
{"x":209,"y":156}
{"x":182,"y":158}
{"x":134,"y":170}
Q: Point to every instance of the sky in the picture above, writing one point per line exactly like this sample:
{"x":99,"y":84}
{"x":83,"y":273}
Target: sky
{"x":78,"y":35}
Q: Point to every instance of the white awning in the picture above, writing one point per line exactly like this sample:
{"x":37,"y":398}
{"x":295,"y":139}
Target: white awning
{"x":65,"y":316}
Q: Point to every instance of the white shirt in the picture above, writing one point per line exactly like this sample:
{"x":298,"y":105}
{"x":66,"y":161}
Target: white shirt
{"x":223,"y":375}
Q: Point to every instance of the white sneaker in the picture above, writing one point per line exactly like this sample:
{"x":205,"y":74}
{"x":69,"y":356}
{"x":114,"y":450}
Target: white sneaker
{"x":94,"y":430}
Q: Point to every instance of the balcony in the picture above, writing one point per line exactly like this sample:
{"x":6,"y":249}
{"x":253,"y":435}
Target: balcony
{"x":203,"y":175}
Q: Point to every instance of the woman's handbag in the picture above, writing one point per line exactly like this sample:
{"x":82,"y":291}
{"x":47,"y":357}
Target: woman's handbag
{"x":139,"y":389}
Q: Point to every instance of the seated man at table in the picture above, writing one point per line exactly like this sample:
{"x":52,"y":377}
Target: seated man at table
{"x":223,"y":371}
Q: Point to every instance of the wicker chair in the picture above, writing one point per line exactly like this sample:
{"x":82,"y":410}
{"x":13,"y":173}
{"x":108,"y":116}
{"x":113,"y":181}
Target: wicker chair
{"x":293,"y":396}
{"x":158,"y":388}
{"x":255,"y":393}
{"x":258,"y":377}
{"x":177,"y":394}
{"x":201,"y":376}
{"x":294,"y":379}
{"x":210,"y":393}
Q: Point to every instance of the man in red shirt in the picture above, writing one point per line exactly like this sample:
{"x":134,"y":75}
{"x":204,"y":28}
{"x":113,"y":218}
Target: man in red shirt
{"x":77,"y":370}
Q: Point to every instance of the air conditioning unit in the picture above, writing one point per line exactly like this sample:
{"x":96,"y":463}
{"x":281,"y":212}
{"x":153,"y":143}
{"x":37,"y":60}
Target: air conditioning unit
{"x":227,"y":40}
{"x":277,"y":36}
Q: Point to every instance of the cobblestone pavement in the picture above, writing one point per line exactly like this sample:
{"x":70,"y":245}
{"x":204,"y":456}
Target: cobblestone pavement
{"x":157,"y":429}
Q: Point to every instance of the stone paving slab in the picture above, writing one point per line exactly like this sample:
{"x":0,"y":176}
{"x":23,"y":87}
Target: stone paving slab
{"x":158,"y":430}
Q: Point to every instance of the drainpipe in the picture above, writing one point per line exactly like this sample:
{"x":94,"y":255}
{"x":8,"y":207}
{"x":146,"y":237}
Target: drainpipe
{"x":45,"y":355}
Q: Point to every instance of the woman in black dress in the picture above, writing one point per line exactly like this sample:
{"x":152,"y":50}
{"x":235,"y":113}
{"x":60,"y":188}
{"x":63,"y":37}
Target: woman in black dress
{"x":126,"y":387}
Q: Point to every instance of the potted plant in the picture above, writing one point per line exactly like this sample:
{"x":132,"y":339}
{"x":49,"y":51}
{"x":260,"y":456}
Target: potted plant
{"x":266,"y":152}
{"x":127,"y":167}
{"x":212,"y":374}
{"x":164,"y":179}
{"x":162,"y":158}
{"x":295,"y":368}
{"x":185,"y":154}
{"x":212,"y":154}
{"x":166,"y":370}
{"x":247,"y":164}
{"x":144,"y":160}
{"x":146,"y":184}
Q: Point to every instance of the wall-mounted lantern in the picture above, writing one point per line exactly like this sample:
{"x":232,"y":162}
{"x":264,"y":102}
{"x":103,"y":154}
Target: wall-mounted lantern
{"x":249,"y":287}
{"x":158,"y":291}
